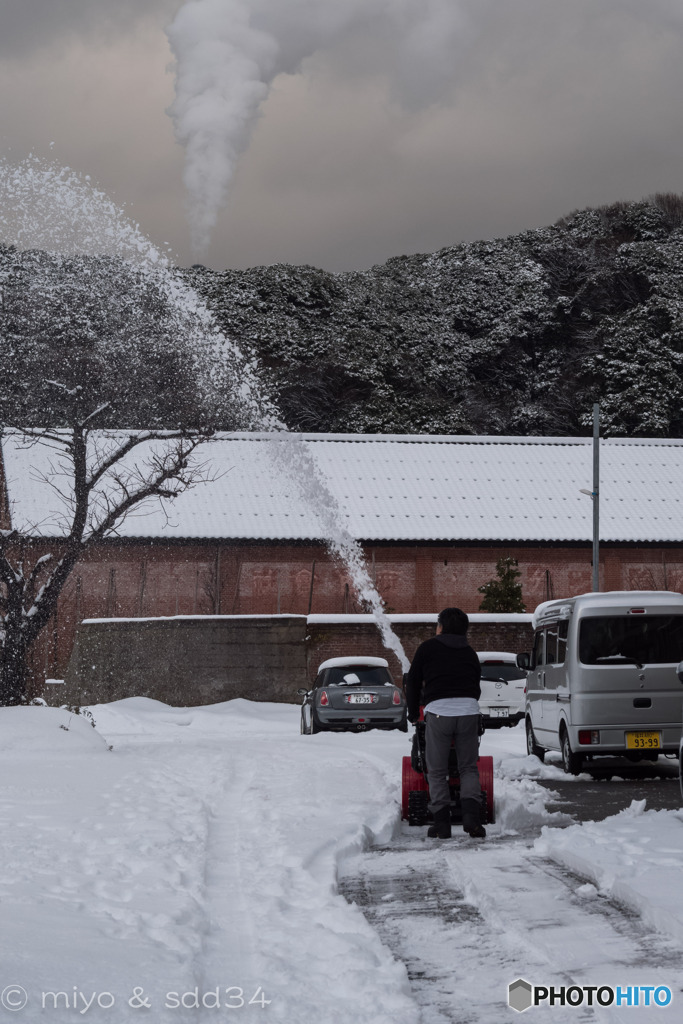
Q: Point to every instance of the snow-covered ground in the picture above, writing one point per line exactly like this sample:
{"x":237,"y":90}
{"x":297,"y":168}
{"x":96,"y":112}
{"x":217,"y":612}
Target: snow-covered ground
{"x":206,"y":857}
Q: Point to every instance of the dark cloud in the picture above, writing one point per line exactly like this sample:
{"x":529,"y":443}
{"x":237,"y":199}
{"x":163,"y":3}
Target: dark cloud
{"x":548,"y":110}
{"x":541,"y":108}
{"x":28,"y":24}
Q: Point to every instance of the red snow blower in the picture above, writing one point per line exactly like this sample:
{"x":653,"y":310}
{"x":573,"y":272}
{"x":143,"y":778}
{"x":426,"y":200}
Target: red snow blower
{"x":415,"y":794}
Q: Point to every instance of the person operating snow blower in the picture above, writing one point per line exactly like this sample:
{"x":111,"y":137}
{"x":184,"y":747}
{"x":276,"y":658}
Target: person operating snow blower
{"x":445,"y":674}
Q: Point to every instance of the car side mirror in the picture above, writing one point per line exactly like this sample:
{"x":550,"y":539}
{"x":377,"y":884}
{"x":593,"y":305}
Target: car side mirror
{"x":679,"y":672}
{"x":302,"y":692}
{"x":524,"y":661}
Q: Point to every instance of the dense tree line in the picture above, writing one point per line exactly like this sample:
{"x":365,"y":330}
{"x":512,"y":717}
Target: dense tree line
{"x":518,"y":335}
{"x":79,"y":333}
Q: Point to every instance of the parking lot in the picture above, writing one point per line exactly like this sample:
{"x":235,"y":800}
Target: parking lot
{"x":596,"y":799}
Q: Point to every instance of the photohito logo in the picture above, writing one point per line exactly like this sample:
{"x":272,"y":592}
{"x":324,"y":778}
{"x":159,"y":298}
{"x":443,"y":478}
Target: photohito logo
{"x":522,"y":995}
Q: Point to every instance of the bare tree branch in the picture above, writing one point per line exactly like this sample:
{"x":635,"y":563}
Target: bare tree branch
{"x":94,"y":414}
{"x":99,"y":489}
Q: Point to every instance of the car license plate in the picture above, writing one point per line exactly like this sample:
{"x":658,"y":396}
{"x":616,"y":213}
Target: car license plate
{"x":499,"y":712}
{"x":643,"y":741}
{"x":361,"y":698}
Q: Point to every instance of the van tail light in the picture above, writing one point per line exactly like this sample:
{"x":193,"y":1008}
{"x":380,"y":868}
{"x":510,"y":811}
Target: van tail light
{"x":396,"y":699}
{"x":588,"y":736}
{"x":323,"y":699}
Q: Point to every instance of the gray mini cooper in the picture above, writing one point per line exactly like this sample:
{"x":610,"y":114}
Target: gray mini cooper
{"x":353,"y":694}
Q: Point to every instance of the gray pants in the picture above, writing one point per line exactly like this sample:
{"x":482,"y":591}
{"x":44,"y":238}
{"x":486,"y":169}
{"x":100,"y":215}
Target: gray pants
{"x":464,"y":730}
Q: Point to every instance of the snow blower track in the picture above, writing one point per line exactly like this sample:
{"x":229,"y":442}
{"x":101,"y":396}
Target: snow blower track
{"x":467,"y":919}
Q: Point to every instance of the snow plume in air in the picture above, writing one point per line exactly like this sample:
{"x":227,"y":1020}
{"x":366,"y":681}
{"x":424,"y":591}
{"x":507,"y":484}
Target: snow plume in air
{"x":45,"y":206}
{"x":67,"y":223}
{"x":57,"y":210}
{"x":291,"y":454}
{"x":228,"y":52}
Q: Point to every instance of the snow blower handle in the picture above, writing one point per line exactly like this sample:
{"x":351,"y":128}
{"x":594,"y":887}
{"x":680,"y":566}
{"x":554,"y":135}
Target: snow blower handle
{"x":421,"y":715}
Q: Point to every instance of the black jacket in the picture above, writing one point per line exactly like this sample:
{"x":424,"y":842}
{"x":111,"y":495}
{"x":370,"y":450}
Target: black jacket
{"x":447,"y":667}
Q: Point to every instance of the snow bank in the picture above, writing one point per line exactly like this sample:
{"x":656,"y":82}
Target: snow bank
{"x":520,"y":801}
{"x":508,"y":747}
{"x":38,"y":732}
{"x":635,"y":857}
{"x":211,"y":850}
{"x":129,"y":719}
{"x":521,"y":804}
{"x":203,"y":854}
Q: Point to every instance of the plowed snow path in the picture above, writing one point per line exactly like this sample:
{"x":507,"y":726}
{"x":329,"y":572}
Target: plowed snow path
{"x":469,"y":919}
{"x":200,"y":858}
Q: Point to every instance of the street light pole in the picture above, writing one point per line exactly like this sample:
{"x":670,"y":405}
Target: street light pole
{"x":596,"y":497}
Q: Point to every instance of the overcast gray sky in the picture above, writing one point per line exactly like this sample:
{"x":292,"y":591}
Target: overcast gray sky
{"x":386,"y":141}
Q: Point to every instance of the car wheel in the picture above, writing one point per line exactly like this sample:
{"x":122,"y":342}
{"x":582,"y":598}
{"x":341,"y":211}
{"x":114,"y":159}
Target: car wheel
{"x":680,"y":770}
{"x":403,"y":724}
{"x":314,"y":725}
{"x":532,"y":746}
{"x":571,"y":762}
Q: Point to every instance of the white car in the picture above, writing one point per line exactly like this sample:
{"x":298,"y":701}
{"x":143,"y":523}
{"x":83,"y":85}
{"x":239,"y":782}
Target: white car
{"x":502,"y":689}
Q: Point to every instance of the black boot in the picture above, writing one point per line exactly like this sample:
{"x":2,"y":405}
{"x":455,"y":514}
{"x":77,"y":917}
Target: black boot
{"x":441,"y":829}
{"x":471,"y":818}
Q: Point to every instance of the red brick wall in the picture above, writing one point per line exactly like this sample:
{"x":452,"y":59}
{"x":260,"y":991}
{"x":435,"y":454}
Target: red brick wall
{"x":339,"y":639}
{"x":163,"y":579}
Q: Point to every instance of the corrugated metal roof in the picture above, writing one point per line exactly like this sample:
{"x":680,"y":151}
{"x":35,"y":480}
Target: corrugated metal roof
{"x":401,"y":488}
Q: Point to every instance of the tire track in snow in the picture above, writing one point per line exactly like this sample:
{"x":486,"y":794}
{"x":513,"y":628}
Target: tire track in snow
{"x":467,"y":920}
{"x":228,"y":960}
{"x":442,"y":938}
{"x":273,"y":916}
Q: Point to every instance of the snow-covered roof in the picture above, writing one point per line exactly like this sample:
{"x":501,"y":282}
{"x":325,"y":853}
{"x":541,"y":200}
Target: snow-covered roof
{"x":354,"y":660}
{"x":392,"y":488}
{"x":610,"y":599}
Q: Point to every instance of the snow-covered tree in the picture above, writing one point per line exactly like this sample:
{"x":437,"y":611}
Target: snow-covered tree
{"x":89,"y":346}
{"x":492,"y":337}
{"x":110,"y":331}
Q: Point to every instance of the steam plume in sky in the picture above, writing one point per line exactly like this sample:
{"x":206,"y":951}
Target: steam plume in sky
{"x":228,"y":52}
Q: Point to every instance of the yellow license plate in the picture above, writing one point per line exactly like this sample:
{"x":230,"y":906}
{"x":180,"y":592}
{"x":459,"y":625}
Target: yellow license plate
{"x":643,"y":741}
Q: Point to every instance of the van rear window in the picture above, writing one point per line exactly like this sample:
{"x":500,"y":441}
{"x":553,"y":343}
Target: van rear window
{"x":621,"y":639}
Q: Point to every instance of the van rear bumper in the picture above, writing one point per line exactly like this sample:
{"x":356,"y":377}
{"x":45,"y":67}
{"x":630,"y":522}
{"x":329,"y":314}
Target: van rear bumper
{"x":612,"y":739}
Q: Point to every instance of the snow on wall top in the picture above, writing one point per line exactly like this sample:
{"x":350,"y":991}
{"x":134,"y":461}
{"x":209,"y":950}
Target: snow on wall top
{"x":393,"y":488}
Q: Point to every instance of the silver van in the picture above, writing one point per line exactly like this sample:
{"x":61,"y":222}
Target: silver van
{"x":601,"y":678}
